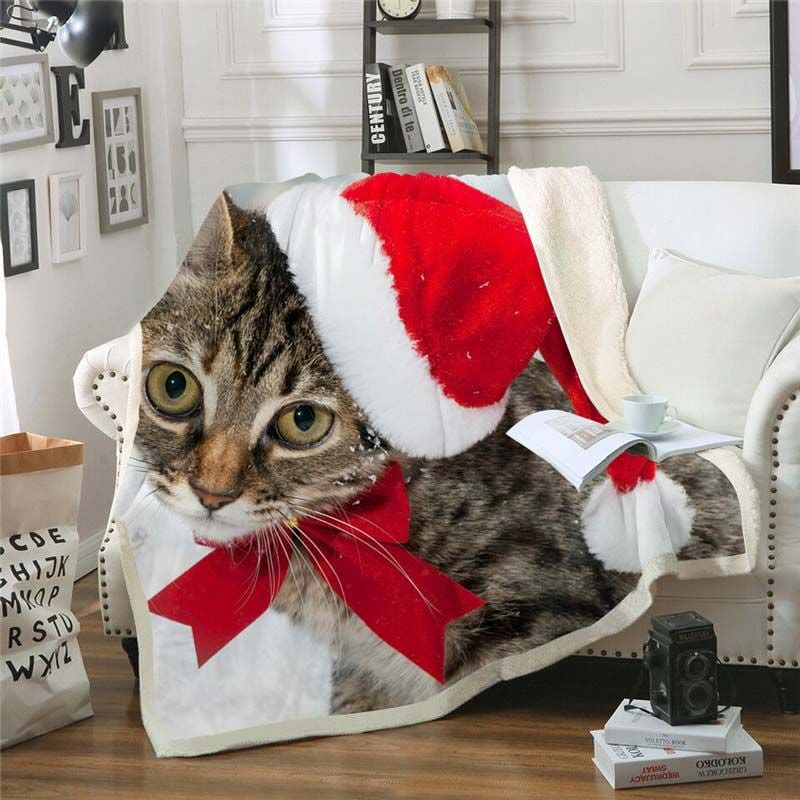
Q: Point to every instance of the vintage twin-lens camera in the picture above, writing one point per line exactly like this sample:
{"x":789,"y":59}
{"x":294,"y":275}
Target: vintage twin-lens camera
{"x":681,"y":657}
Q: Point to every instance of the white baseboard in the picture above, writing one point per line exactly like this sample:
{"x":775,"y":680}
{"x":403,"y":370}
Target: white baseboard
{"x":87,"y":554}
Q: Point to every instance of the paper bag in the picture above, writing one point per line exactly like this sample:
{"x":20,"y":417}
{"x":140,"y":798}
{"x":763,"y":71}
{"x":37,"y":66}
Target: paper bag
{"x":42,"y":678}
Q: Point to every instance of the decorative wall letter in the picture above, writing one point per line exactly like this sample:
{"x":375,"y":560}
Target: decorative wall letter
{"x":69,"y":110}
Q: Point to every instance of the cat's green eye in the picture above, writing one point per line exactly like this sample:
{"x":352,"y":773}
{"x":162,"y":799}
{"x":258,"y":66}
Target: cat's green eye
{"x":303,"y":424}
{"x":173,"y":390}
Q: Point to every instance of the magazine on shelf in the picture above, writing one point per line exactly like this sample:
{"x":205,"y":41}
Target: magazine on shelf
{"x":580,"y":449}
{"x":630,"y":766}
{"x":384,"y":130}
{"x":455,"y":111}
{"x":425,"y":106}
{"x":404,"y":105}
{"x":643,"y":729}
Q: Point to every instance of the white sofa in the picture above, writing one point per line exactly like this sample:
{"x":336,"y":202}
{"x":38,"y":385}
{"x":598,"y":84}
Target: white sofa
{"x":744,"y":226}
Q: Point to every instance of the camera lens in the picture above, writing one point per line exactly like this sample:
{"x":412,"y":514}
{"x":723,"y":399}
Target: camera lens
{"x":698,"y":696}
{"x":696,"y":666}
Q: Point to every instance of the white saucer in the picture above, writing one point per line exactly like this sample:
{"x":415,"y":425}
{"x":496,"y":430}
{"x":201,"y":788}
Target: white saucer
{"x":665,"y":429}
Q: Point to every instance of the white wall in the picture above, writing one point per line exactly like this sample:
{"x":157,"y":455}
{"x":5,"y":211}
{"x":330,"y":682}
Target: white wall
{"x":634,"y":88}
{"x":59,"y":311}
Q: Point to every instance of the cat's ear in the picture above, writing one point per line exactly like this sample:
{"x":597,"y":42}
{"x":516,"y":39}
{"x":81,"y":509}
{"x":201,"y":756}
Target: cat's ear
{"x":213,"y":244}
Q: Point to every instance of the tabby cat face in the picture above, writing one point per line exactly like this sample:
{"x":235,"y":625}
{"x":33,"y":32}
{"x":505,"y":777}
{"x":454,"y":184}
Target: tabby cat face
{"x":243,"y":422}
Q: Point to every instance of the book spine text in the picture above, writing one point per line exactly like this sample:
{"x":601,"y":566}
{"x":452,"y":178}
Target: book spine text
{"x":406,"y":115}
{"x":380,"y":113}
{"x":425,"y":108}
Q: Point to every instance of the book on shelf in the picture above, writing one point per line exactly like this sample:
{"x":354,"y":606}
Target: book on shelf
{"x":580,"y":449}
{"x":406,"y":115}
{"x":454,"y":109}
{"x":383,"y":127}
{"x":425,"y":106}
{"x":640,"y":728}
{"x":630,"y":766}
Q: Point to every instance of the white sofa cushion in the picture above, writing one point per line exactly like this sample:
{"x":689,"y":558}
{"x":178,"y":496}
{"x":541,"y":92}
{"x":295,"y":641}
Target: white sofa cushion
{"x":703,"y":336}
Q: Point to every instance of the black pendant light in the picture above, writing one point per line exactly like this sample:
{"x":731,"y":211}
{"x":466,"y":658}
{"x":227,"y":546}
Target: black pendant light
{"x":83,"y":27}
{"x":60,"y":9}
{"x":87,"y":31}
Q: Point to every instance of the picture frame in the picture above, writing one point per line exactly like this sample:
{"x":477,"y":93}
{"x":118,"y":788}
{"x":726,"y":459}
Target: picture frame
{"x":785,"y":90}
{"x":67,"y":216}
{"x":18,"y":232}
{"x":26,"y":108}
{"x":120,"y":159}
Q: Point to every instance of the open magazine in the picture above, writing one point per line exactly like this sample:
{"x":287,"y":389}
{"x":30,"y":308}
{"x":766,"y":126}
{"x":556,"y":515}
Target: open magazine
{"x":581,"y":449}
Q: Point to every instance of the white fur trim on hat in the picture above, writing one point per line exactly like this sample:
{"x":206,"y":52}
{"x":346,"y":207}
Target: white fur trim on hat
{"x":342,"y":270}
{"x":625,"y":531}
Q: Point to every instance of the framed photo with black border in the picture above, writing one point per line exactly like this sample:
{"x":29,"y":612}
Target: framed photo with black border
{"x":18,"y":227}
{"x":785,"y":90}
{"x":26,"y":110}
{"x":120,"y":159}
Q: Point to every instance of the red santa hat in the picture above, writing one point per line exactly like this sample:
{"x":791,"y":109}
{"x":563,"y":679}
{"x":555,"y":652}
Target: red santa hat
{"x":427,"y":296}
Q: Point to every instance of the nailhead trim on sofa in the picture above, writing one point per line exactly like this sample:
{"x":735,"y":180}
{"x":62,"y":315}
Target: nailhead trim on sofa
{"x":772,"y":552}
{"x":104,"y":596}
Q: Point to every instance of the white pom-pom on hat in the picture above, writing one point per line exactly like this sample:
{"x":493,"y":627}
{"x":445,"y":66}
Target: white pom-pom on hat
{"x":625,"y":531}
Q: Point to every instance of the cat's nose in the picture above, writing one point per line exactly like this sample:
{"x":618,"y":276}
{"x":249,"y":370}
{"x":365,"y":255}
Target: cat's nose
{"x":213,"y":501}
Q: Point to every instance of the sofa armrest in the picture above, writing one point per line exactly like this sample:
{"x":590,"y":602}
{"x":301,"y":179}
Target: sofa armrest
{"x":772,"y":454}
{"x":101,"y":386}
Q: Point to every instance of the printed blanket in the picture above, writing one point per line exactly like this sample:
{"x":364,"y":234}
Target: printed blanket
{"x":324,"y":528}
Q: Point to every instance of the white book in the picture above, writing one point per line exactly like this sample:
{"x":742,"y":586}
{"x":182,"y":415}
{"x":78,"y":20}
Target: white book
{"x":581,"y":449}
{"x":425,"y":107}
{"x":631,"y":767}
{"x":454,"y":109}
{"x":640,"y":728}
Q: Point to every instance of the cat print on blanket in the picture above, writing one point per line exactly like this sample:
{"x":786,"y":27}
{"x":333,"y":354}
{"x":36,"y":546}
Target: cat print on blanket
{"x":246,"y":433}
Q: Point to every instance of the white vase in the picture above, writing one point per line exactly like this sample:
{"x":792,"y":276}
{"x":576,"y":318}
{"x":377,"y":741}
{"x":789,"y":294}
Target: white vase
{"x":455,"y":9}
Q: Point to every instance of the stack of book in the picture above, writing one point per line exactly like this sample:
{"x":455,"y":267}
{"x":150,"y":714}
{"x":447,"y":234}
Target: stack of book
{"x":636,"y":749}
{"x":416,"y":109}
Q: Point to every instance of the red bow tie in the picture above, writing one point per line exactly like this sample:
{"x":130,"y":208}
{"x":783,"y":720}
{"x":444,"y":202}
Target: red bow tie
{"x":360,"y":554}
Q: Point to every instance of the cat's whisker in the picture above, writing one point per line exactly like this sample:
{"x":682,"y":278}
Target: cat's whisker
{"x":308,"y":540}
{"x":339,"y":613}
{"x":141,"y":460}
{"x":371,"y":542}
{"x":257,"y":539}
{"x":253,"y":583}
{"x":271,"y":574}
{"x":155,"y":489}
{"x":329,"y":604}
{"x":355,"y":528}
{"x":282,"y":541}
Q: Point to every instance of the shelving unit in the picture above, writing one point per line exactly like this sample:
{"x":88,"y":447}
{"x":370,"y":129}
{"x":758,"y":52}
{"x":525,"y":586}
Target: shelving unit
{"x":482,"y":25}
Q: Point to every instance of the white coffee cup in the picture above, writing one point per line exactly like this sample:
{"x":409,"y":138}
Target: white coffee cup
{"x":646,"y":413}
{"x":455,"y":9}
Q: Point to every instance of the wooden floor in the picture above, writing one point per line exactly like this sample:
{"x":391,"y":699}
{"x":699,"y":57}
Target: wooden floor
{"x":527,"y":739}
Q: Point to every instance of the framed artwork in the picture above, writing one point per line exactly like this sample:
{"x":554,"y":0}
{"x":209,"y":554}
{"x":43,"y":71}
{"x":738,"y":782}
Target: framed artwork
{"x":785,"y":68}
{"x":18,"y":227}
{"x":119,"y":151}
{"x":67,"y":216}
{"x":26,"y":113}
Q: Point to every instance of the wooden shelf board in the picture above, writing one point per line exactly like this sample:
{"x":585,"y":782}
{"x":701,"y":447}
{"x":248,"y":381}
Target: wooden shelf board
{"x":420,"y":26}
